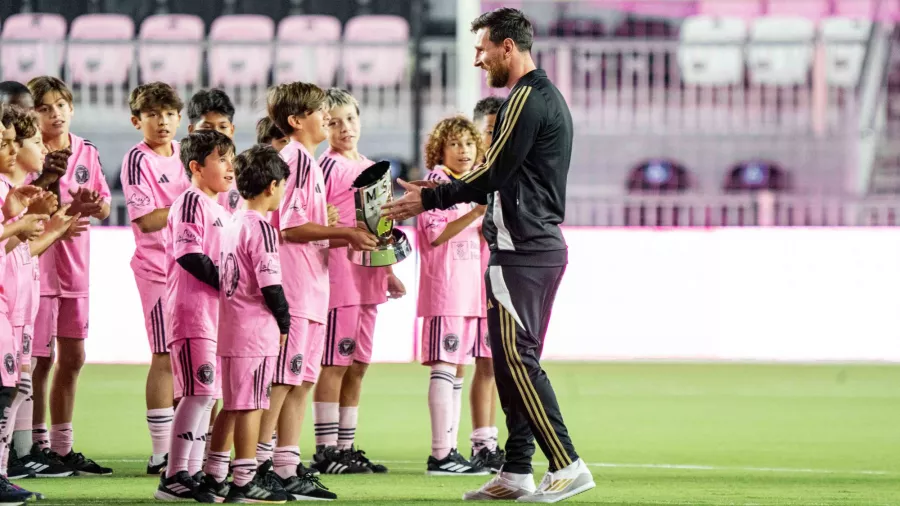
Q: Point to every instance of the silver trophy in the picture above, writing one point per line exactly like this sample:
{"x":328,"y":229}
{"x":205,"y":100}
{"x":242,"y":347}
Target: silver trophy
{"x":373,"y":190}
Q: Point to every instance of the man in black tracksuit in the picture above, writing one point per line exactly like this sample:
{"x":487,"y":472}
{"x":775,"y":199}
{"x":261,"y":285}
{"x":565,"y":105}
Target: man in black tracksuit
{"x":523,"y":182}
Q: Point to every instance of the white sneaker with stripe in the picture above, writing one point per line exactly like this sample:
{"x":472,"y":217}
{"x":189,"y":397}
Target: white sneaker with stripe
{"x":503,"y":487}
{"x":454,"y":464}
{"x":562,"y":484}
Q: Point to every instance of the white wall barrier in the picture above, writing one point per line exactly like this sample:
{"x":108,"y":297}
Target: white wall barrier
{"x":781,"y":294}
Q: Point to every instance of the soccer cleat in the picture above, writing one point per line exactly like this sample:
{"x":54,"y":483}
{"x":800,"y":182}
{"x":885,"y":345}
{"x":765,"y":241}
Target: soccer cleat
{"x":256,"y":492}
{"x":329,"y":460}
{"x":11,"y":495}
{"x":45,"y":463}
{"x":359,"y":456}
{"x":180,"y":487}
{"x":301,"y":470}
{"x":198,"y":476}
{"x":156,"y":470}
{"x":492,"y":460}
{"x":562,"y":484}
{"x":270,"y":480}
{"x":307,"y":488}
{"x":16,"y":470}
{"x":84,"y":466}
{"x":454,"y":464}
{"x":503,"y":487}
{"x":210,"y":491}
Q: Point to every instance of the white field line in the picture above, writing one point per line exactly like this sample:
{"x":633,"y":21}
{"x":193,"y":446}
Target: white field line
{"x":681,"y":467}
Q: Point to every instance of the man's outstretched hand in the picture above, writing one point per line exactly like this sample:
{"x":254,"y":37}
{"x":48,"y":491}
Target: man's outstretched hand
{"x":408,"y":205}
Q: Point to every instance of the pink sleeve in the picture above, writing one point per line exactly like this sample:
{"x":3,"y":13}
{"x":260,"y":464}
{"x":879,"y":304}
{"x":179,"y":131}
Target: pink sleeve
{"x":139,"y":197}
{"x":188,"y":233}
{"x":263,"y":249}
{"x":292,"y":213}
{"x":432,"y":223}
{"x":100,"y":185}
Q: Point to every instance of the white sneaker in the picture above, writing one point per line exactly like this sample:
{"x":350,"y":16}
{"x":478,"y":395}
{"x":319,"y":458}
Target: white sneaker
{"x":503,"y":487}
{"x":563,"y":484}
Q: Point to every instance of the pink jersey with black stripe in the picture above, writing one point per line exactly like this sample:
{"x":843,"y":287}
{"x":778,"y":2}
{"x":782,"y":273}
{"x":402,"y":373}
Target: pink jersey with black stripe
{"x":195,"y":225}
{"x":350,"y":284}
{"x":249,"y":261}
{"x":150,"y":182}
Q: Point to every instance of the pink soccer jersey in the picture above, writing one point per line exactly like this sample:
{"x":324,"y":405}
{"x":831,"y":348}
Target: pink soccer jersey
{"x":231,"y":200}
{"x":7,"y":287}
{"x":248,"y":263}
{"x":66,"y":264}
{"x":350,"y":284}
{"x":151,"y":182}
{"x":195,"y":225}
{"x":450,"y":275}
{"x":19,"y":268}
{"x":306,"y":289}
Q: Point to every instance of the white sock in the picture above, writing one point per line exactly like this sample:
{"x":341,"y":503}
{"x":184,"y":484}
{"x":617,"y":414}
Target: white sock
{"x":347,"y":427}
{"x":440,"y":407}
{"x":457,"y":409}
{"x":326,"y":418}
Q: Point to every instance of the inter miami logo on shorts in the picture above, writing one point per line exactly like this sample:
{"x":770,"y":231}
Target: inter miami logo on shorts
{"x":26,"y":344}
{"x":231,"y":274}
{"x":81,"y":174}
{"x":451,"y":343}
{"x":233,"y":197}
{"x":297,"y":364}
{"x":10,"y":363}
{"x":346,"y":347}
{"x":206,"y":374}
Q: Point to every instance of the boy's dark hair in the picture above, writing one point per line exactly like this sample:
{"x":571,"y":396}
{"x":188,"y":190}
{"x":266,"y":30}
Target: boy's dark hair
{"x":506,"y":23}
{"x":206,"y":101}
{"x":200,"y":144}
{"x":487,"y":106}
{"x":9,"y":90}
{"x":22,"y":120}
{"x":40,"y":86}
{"x":256,"y":168}
{"x":266,"y":131}
{"x":152,"y":96}
{"x":293,"y":99}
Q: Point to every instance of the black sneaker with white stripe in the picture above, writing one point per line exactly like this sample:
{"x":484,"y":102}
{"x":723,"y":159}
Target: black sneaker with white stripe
{"x":492,"y":460}
{"x":16,"y":470}
{"x":83,"y":465}
{"x":180,"y":487}
{"x":454,"y":464}
{"x":45,"y":463}
{"x":210,"y":491}
{"x":307,"y":488}
{"x":330,"y":460}
{"x":360,"y":458}
{"x":256,"y":492}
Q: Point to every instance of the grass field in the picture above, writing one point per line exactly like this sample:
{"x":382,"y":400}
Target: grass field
{"x":653,"y":434}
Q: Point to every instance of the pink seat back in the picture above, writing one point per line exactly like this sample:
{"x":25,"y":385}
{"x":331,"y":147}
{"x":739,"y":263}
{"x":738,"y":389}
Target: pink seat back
{"x":307,"y":49}
{"x":811,"y":9}
{"x":376,"y":66}
{"x":101,"y":63}
{"x":240,"y":65}
{"x":667,"y":8}
{"x":855,"y":8}
{"x":173,"y":63}
{"x":733,"y":8}
{"x":888,"y":10}
{"x":25,"y":60}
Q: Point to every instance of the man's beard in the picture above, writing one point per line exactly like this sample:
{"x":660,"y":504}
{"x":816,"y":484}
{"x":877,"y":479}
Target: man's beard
{"x":497,"y":77}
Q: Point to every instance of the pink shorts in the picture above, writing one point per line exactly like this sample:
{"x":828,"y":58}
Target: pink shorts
{"x":246,"y":383}
{"x":482,"y":346}
{"x":195,"y":368}
{"x":23,"y":344}
{"x":59,"y":316}
{"x":152,"y":299}
{"x":9,"y":370}
{"x":300,"y":359}
{"x":448,"y":339}
{"x":348,"y":335}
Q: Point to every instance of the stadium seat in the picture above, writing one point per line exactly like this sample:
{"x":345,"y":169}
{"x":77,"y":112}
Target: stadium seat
{"x":108,"y":62}
{"x":176,"y":64}
{"x":845,"y":49}
{"x":746,"y":9}
{"x":781,"y":50}
{"x":664,"y":8}
{"x":22,"y":61}
{"x":719,"y":61}
{"x":864,"y":9}
{"x":809,"y":9}
{"x":302,"y":53}
{"x":376,"y":66}
{"x":240,"y":65}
